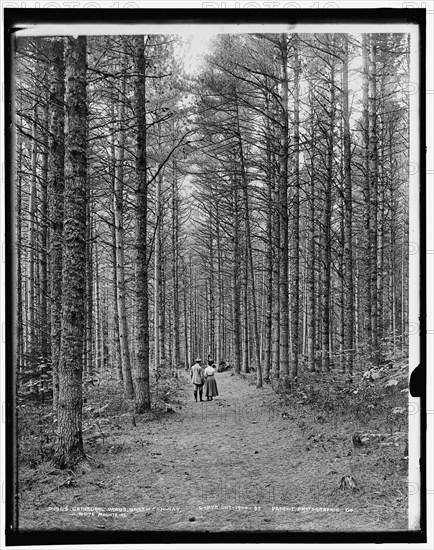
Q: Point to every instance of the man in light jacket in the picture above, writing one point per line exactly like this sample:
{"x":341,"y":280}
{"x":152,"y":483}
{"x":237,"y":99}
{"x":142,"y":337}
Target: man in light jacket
{"x":197,"y":378}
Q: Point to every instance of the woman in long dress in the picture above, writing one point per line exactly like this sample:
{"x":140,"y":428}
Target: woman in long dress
{"x":210,"y":382}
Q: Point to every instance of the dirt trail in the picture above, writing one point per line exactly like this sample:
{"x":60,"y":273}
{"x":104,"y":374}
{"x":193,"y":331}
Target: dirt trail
{"x":231,"y":464}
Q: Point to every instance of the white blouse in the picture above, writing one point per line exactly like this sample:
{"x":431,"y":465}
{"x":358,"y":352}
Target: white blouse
{"x":209,"y":371}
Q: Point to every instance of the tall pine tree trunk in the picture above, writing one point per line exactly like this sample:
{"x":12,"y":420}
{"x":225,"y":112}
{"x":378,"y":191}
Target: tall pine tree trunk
{"x":99,"y":351}
{"x":276,"y":313}
{"x":219,"y":313}
{"x":142,"y":393}
{"x":249,"y":251}
{"x":185,"y":286}
{"x":89,"y":366}
{"x":236,"y":291}
{"x":283,"y":210}
{"x":269,"y":260}
{"x":211,"y":297}
{"x":246,"y":348}
{"x":373,"y":184}
{"x":69,"y":443}
{"x":175,"y":268}
{"x":56,"y":152}
{"x":348,"y":222}
{"x":158,"y":280}
{"x":44,"y":321}
{"x":326,"y":228}
{"x":118,"y":198}
{"x":112,"y":169}
{"x":295,"y":209}
{"x":366,"y":133}
{"x":32,"y":351}
{"x":311,"y":247}
{"x":19,"y":264}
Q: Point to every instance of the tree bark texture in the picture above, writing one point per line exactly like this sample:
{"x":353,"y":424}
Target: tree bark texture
{"x":142,"y":391}
{"x":69,"y":443}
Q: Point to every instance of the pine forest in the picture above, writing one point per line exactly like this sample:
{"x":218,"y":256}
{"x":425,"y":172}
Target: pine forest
{"x":248,"y":206}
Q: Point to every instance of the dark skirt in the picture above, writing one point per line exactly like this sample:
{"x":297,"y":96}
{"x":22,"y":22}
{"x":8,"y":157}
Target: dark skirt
{"x":210,"y":387}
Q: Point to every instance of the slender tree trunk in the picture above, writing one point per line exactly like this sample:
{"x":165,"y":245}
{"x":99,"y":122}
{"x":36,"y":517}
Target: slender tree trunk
{"x":283,"y":210}
{"x":348,"y":215}
{"x":295,"y":208}
{"x":341,"y":256}
{"x":118,"y":209}
{"x":142,"y":393}
{"x":32,"y":344}
{"x":104,"y":327}
{"x":90,"y":332}
{"x":158,"y":354}
{"x":211,"y":298}
{"x":162,"y":317}
{"x":373,"y":184}
{"x":55,"y":187}
{"x":326,"y":223}
{"x":304,"y":304}
{"x":249,"y":252}
{"x":117,"y":341}
{"x":382,"y":279}
{"x":236,"y":301}
{"x":175,"y":268}
{"x":276,"y":313}
{"x":112,"y":169}
{"x":358,"y":306}
{"x":19,"y":247}
{"x":246,"y":354}
{"x":367,"y":190}
{"x":192,"y":313}
{"x":187,"y":360}
{"x":269,"y":259}
{"x":393,"y":239}
{"x":219,"y":346}
{"x":311,"y":250}
{"x":99,"y":353}
{"x":44,"y":321}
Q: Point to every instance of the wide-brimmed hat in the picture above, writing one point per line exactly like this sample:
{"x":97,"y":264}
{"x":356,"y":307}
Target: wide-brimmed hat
{"x":199,"y":360}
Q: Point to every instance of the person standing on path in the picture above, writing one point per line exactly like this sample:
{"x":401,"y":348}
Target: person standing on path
{"x":197,"y":378}
{"x":210,"y":383}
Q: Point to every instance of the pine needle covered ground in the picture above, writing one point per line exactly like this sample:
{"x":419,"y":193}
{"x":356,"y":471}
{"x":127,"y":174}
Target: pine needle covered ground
{"x":329,"y":457}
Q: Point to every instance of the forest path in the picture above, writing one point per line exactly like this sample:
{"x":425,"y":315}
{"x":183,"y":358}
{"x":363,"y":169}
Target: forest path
{"x":232,"y":464}
{"x":215,"y":459}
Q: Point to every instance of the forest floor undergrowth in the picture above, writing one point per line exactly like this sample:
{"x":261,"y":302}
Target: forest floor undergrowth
{"x":249,"y":460}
